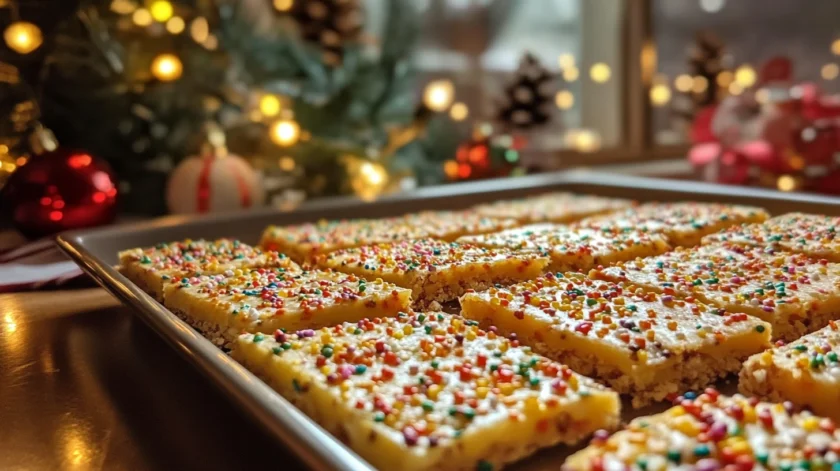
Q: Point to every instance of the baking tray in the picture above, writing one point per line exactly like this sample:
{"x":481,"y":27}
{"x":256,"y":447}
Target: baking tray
{"x":96,"y":252}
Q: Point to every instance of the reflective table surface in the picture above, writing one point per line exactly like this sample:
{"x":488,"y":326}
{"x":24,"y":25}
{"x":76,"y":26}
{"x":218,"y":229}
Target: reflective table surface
{"x":86,"y":385}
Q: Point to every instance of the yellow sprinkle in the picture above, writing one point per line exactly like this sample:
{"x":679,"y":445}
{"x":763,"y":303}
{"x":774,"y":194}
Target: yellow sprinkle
{"x":504,"y":346}
{"x":686,"y":425}
{"x":650,"y":335}
{"x":642,"y":356}
{"x":481,"y":392}
{"x":433,"y":391}
{"x":325,"y":370}
{"x":398,"y":334}
{"x":296,"y":345}
{"x":810,"y":424}
{"x":676,"y":411}
{"x":471,"y":334}
{"x":346,"y":385}
{"x":398,"y":405}
{"x":408,"y":330}
{"x":390,"y":419}
{"x":506,"y":389}
{"x":573,"y":382}
{"x":749,"y":414}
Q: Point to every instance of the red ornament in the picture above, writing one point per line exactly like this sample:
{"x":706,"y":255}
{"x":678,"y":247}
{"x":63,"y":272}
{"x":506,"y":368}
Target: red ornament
{"x":60,"y":190}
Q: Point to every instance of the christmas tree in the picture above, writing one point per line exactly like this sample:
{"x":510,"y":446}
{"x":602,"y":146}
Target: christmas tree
{"x":703,"y":86}
{"x":297,"y":86}
{"x":528,"y":98}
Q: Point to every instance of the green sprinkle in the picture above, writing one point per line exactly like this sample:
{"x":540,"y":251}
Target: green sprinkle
{"x":145,"y":259}
{"x":701,"y":450}
{"x":421,"y":318}
{"x":258,"y":338}
{"x":327,"y":351}
{"x":358,"y":331}
{"x":435,"y":364}
{"x":674,"y":456}
{"x":762,"y":457}
{"x":759,"y":328}
{"x":800,"y":348}
{"x":276,"y":350}
{"x":534,"y":381}
{"x":286,"y":345}
{"x":804,"y":464}
{"x":817,"y":361}
{"x":360,"y":369}
{"x":642,"y":464}
{"x":832,"y":357}
{"x":484,"y":466}
{"x":428,"y":406}
{"x":296,"y":385}
{"x":379,"y":417}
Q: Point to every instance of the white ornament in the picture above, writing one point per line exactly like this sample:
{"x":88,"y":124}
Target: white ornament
{"x":213,"y":184}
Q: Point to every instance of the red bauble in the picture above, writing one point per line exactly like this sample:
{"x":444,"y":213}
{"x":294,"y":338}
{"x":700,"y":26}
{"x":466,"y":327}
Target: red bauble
{"x":60,"y":190}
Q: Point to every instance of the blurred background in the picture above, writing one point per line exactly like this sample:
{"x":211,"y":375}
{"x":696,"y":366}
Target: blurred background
{"x":159,"y":106}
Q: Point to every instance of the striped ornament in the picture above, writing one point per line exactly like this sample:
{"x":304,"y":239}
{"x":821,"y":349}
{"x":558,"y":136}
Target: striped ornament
{"x":213,"y":184}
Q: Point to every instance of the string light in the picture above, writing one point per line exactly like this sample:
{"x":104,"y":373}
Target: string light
{"x":660,"y":94}
{"x":175,"y":25}
{"x":684,"y":83}
{"x":211,"y":43}
{"x":287,"y":164}
{"x":161,"y":10}
{"x":141,"y":17}
{"x":566,"y":61}
{"x":199,"y":29}
{"x":829,"y":71}
{"x":735,"y":88}
{"x":564,"y":99}
{"x":835,"y":47}
{"x":762,"y":96}
{"x":570,"y":74}
{"x":725,"y":78}
{"x":23,"y":37}
{"x":450,"y":168}
{"x":438,"y":95}
{"x":712,"y":6}
{"x":700,"y":84}
{"x":283,"y":5}
{"x":459,"y":111}
{"x":167,"y":67}
{"x":786,"y":183}
{"x":269,"y":105}
{"x":599,"y":72}
{"x":583,"y":140}
{"x":123,"y":7}
{"x":745,"y":76}
{"x":285,"y":132}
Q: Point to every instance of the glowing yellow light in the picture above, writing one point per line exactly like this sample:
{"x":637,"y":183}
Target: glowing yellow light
{"x":161,"y":10}
{"x":175,"y":25}
{"x":786,"y":183}
{"x":199,"y":29}
{"x":599,"y":72}
{"x":211,"y":43}
{"x":566,"y":61}
{"x":745,"y":76}
{"x":123,"y":7}
{"x":287,"y":164}
{"x":725,"y":78}
{"x":835,"y":47}
{"x":830,"y":71}
{"x":285,"y":132}
{"x":762,"y":96}
{"x":283,"y":5}
{"x":167,"y":67}
{"x":570,"y":74}
{"x":735,"y":88}
{"x":584,"y":140}
{"x":564,"y":99}
{"x":684,"y":83}
{"x":23,"y":37}
{"x":141,"y":17}
{"x":450,"y":168}
{"x":374,"y":174}
{"x":459,"y":111}
{"x":700,"y":84}
{"x":660,"y":94}
{"x":11,"y":325}
{"x":269,"y":105}
{"x":438,"y":95}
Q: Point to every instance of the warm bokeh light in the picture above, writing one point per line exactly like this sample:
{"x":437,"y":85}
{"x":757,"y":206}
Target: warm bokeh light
{"x":270,"y":105}
{"x":660,"y":94}
{"x":712,"y":6}
{"x":450,"y":168}
{"x":161,"y":10}
{"x":570,"y":74}
{"x":735,"y":88}
{"x":725,"y":78}
{"x":459,"y":111}
{"x":23,"y":37}
{"x":583,"y":140}
{"x":786,"y":183}
{"x":683,"y":83}
{"x":175,"y":25}
{"x":167,"y":67}
{"x":699,"y":84}
{"x":287,"y":163}
{"x":142,"y":17}
{"x":438,"y":95}
{"x":835,"y":47}
{"x":600,"y":72}
{"x":762,"y":96}
{"x":564,"y":99}
{"x":566,"y":61}
{"x":285,"y":132}
{"x":211,"y":43}
{"x":199,"y":29}
{"x":283,"y":5}
{"x":829,"y":71}
{"x":745,"y":76}
{"x":123,"y":7}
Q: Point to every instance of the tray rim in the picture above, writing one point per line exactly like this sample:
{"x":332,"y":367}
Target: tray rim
{"x":285,"y":422}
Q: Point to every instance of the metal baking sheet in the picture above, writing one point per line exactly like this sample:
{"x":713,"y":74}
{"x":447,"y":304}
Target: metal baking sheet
{"x":96,"y":252}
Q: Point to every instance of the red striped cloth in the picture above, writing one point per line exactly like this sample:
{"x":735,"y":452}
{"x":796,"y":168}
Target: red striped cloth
{"x":34,"y":265}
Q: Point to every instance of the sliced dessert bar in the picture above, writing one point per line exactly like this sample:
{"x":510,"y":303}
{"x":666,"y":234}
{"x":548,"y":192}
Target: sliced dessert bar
{"x":429,"y":391}
{"x":436,"y":271}
{"x":797,"y":295}
{"x":643,"y":344}
{"x":710,"y":431}
{"x":810,"y":234}
{"x":151,"y":268}
{"x":684,"y":223}
{"x":552,"y":207}
{"x":574,"y":249}
{"x":264,"y":300}
{"x":806,"y":372}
